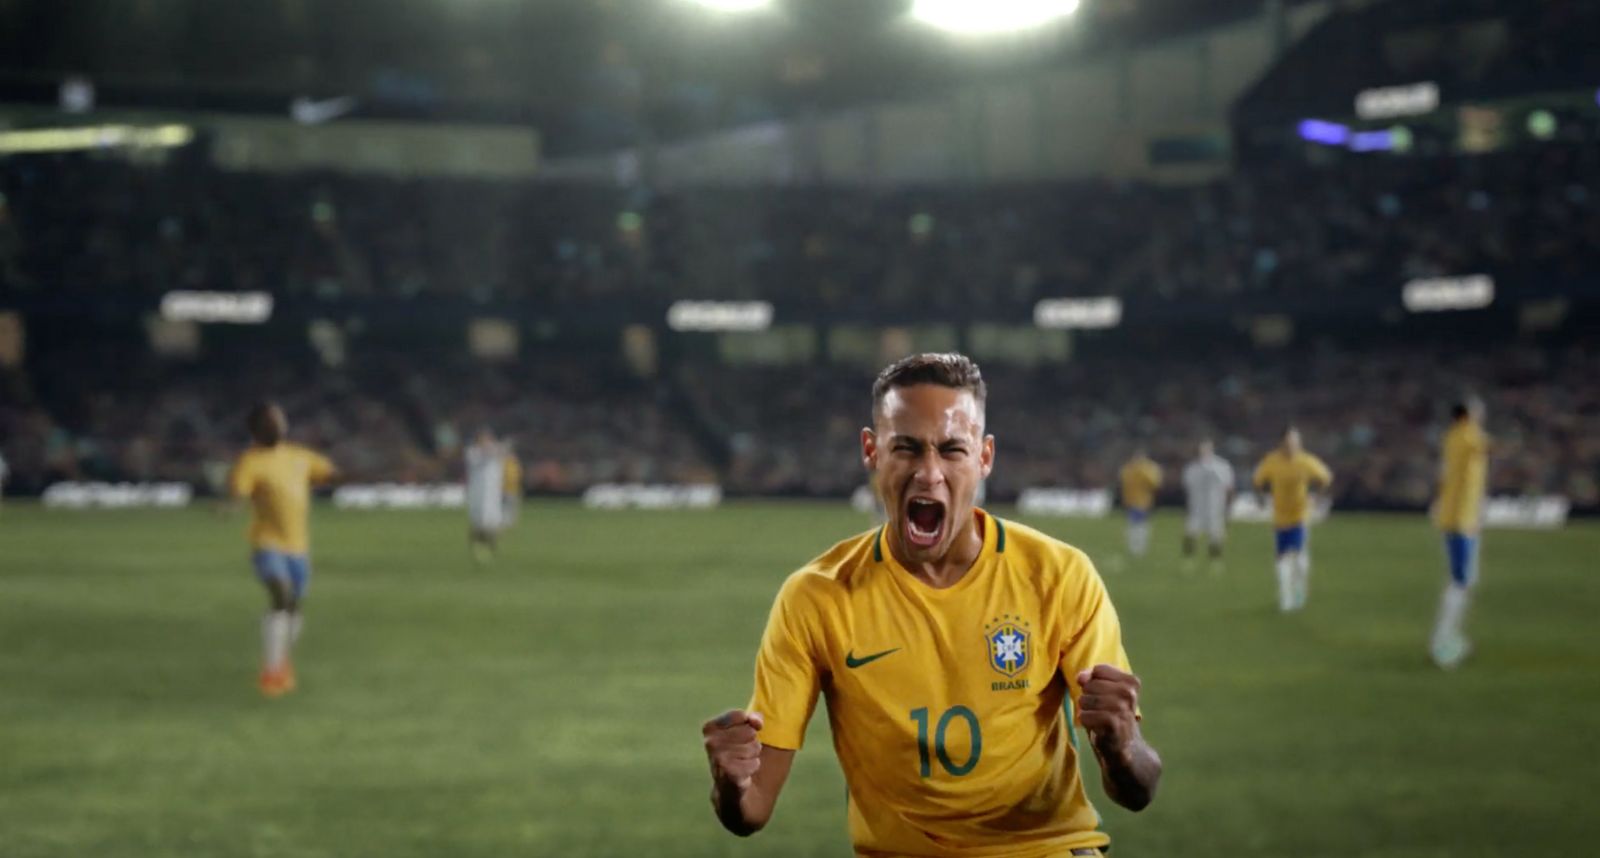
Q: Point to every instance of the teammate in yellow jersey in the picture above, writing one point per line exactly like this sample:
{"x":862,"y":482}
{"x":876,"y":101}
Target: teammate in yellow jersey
{"x":1291,"y":474}
{"x":955,"y":650}
{"x":1458,"y":512}
{"x":1140,"y":478}
{"x":276,"y":476}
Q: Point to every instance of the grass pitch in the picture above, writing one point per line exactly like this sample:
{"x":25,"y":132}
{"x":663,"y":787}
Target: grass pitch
{"x":551,"y":705}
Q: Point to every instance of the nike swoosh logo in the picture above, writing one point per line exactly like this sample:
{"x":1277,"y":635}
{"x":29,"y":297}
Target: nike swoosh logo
{"x":852,"y":662}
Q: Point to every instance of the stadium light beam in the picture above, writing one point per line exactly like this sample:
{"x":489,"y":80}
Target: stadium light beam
{"x":995,"y":16}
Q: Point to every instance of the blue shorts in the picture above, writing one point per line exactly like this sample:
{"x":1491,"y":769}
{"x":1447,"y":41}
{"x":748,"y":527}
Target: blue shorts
{"x":1291,"y":539}
{"x":282,"y":566}
{"x":1462,"y":552}
{"x":1138,"y":516}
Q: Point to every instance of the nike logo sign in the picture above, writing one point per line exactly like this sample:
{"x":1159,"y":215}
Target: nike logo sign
{"x":852,"y":662}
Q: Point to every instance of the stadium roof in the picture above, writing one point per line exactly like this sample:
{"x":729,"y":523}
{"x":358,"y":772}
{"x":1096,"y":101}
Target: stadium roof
{"x":590,"y":74}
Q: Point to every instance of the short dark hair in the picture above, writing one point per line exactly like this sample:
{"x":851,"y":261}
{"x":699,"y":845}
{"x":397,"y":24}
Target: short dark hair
{"x":262,"y":430}
{"x":946,"y":369}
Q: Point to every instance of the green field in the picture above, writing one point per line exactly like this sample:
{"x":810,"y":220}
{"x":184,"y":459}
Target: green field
{"x":551,"y":705}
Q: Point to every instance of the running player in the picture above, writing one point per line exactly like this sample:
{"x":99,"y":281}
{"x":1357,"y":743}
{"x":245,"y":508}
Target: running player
{"x":956,"y":652}
{"x":1291,"y":474}
{"x":276,"y":476}
{"x":1458,"y":512}
{"x":1208,"y":487}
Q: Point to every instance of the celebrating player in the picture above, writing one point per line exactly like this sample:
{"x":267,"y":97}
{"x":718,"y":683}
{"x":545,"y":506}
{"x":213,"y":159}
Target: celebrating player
{"x":1208,"y":487}
{"x":1291,"y":474}
{"x":1140,"y":478}
{"x":489,"y":464}
{"x":952,"y":648}
{"x":1463,"y":472}
{"x":276,"y":477}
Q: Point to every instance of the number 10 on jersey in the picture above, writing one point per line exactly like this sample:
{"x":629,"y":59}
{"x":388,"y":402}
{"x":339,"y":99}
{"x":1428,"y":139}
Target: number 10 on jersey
{"x":920,"y":716}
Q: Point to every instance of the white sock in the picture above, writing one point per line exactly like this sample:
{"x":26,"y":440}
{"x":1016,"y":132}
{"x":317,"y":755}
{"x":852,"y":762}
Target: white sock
{"x":297,"y":621}
{"x":1138,"y":538}
{"x":1453,"y":604}
{"x":1302,"y":582}
{"x":274,"y":640}
{"x":1286,"y":583}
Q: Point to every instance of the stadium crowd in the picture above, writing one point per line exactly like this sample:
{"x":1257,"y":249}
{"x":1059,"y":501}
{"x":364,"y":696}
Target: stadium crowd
{"x":1374,"y":415}
{"x":85,"y":227}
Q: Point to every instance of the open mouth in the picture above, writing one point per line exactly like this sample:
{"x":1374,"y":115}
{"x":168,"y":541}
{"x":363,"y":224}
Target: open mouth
{"x":925,"y":520}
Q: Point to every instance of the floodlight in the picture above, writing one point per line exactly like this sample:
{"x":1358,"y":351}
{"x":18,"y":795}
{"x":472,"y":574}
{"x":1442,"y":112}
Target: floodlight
{"x":990,"y":16}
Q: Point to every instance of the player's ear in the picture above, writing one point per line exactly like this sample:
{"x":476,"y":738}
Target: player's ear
{"x":986,"y":455}
{"x":869,"y":448}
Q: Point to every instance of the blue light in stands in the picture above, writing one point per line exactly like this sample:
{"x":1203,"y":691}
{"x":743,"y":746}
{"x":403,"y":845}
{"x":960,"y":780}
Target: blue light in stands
{"x":1326,"y":133}
{"x":1372,"y":141}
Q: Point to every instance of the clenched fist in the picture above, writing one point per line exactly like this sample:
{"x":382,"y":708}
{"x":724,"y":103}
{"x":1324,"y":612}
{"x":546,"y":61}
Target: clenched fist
{"x":733,"y":747}
{"x":1108,"y":706}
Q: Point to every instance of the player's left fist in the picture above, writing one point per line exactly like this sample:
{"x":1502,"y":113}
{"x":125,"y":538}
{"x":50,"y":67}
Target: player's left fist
{"x":1108,"y":707}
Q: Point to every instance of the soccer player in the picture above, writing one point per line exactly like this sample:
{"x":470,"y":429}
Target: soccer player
{"x":276,"y":476}
{"x":956,"y":652}
{"x":1140,"y":478}
{"x":1208,"y":487}
{"x":1291,"y":474}
{"x":487,"y":510}
{"x":1458,"y":513}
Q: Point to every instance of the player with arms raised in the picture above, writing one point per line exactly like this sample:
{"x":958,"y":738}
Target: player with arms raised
{"x":276,"y":476}
{"x":1458,"y":512}
{"x":1290,"y":474}
{"x":953,"y":649}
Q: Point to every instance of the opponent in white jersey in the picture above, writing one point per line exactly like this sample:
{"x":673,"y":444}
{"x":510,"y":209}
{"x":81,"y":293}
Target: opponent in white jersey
{"x":488,"y":461}
{"x":1208,"y":484}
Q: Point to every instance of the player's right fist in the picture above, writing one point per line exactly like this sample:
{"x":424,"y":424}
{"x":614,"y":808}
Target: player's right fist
{"x":732,"y":746}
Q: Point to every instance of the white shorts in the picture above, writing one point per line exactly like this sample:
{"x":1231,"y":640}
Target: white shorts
{"x":487,"y":514}
{"x":1207,"y":523}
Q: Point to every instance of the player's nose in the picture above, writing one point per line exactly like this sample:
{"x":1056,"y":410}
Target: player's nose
{"x":929,"y":472}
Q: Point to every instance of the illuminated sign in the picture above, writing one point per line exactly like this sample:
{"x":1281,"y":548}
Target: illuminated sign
{"x":94,"y":137}
{"x":1435,"y":294}
{"x":1391,"y":101}
{"x":720,"y":316}
{"x":1086,"y":313}
{"x":239,"y":308}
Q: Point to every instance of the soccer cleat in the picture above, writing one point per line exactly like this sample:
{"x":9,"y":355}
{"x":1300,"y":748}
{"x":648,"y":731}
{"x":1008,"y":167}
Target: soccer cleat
{"x":286,"y":677}
{"x":275,"y":683}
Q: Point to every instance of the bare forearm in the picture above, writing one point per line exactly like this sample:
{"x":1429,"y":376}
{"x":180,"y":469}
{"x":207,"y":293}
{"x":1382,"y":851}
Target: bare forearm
{"x":739,"y":811}
{"x":1131,"y":776}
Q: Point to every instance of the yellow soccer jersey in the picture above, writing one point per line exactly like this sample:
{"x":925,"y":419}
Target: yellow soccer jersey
{"x":1140,"y":479}
{"x":1290,"y":479}
{"x":1463,"y":476}
{"x":949,"y":708}
{"x":511,"y":479}
{"x":277,"y":481}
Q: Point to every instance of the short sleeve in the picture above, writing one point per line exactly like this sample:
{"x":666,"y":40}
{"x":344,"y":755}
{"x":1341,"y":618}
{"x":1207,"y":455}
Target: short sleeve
{"x":788,"y":669}
{"x":1097,"y":636}
{"x":242,"y":479}
{"x":1261,"y":476}
{"x":321,"y":469}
